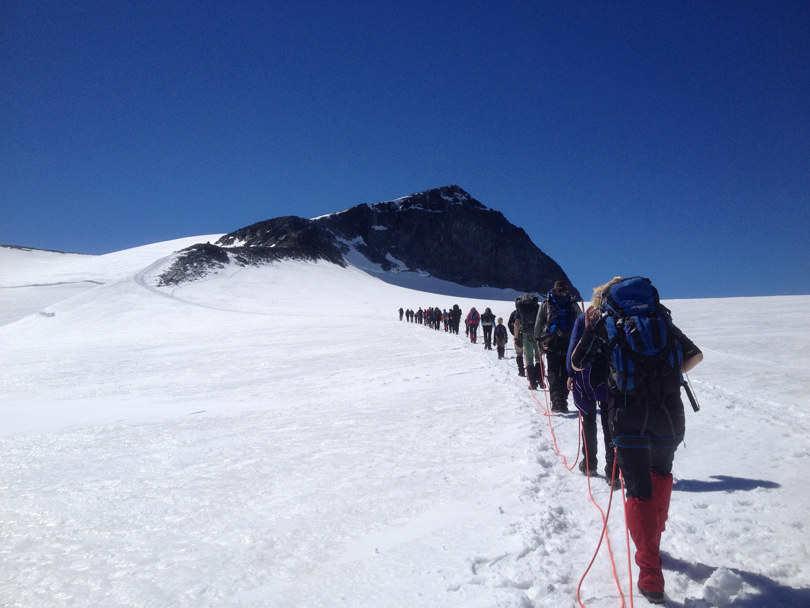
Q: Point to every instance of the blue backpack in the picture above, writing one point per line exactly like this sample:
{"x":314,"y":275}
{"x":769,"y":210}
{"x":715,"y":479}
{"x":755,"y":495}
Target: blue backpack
{"x":647,"y":356}
{"x":560,"y":321}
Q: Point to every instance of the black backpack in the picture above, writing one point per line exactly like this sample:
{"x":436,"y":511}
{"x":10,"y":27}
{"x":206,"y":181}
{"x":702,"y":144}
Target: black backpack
{"x":646,"y":355}
{"x":527,"y":307}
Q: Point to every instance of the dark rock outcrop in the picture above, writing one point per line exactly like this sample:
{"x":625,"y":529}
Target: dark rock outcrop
{"x":194,"y":263}
{"x":451,"y":236}
{"x":284,"y":238}
{"x":444,"y":233}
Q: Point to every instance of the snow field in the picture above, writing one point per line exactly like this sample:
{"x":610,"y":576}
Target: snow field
{"x":276,"y":437}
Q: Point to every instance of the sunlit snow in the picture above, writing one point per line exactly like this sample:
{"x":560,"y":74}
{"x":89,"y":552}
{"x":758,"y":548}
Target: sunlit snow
{"x":276,"y":437}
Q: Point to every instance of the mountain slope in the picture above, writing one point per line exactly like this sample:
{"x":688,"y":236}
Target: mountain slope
{"x":442,"y":233}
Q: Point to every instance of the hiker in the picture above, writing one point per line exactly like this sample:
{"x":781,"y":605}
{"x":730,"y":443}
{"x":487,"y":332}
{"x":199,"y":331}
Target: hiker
{"x":401,"y":312}
{"x":518,"y":343}
{"x":555,"y":320}
{"x":487,"y":324}
{"x":589,"y":389}
{"x":455,"y":316}
{"x":501,"y":338}
{"x":473,"y":319}
{"x":644,"y":405}
{"x":435,"y":315}
{"x":526,"y":307}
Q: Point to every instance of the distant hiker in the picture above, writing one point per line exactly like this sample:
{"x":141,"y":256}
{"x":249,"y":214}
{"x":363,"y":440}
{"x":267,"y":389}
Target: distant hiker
{"x":473,"y":319}
{"x":589,"y":389}
{"x":526,"y":307}
{"x":446,"y":319}
{"x":518,"y":340}
{"x":555,"y":321}
{"x":487,"y":324}
{"x":501,"y":338}
{"x":455,"y":316}
{"x":401,"y":313}
{"x":647,"y":355}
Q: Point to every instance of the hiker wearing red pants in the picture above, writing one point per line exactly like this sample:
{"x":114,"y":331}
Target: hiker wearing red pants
{"x":647,"y":356}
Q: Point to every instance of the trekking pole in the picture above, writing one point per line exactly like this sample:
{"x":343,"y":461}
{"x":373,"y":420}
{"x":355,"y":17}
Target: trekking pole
{"x":687,"y":386}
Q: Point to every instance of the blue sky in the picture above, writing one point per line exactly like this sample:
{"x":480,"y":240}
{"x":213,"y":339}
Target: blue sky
{"x":668,"y":139}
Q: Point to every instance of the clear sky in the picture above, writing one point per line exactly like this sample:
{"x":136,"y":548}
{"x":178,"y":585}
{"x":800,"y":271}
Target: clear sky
{"x":668,"y":139}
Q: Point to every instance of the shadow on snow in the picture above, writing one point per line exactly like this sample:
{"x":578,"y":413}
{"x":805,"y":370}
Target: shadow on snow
{"x":767,"y":591}
{"x":722,"y":483}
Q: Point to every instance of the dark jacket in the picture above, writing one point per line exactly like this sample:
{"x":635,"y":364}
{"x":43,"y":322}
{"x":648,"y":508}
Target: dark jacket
{"x":559,"y":340}
{"x":590,"y":385}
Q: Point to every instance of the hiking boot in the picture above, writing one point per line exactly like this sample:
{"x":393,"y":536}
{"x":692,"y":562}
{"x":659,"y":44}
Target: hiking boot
{"x":654,"y":597}
{"x":559,"y":404}
{"x":532,"y":375}
{"x":587,"y":472}
{"x":614,"y":483}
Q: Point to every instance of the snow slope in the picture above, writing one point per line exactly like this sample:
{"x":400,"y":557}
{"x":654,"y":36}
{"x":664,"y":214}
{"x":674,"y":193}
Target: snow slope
{"x":277,"y":437}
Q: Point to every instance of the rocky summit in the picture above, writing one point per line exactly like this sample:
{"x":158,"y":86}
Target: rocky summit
{"x":444,"y":233}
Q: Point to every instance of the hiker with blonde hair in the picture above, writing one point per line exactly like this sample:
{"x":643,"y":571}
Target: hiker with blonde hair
{"x":589,"y":390}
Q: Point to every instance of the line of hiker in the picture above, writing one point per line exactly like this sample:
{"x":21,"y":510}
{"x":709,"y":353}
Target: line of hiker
{"x":431,"y":316}
{"x":436,"y":318}
{"x":624,"y":358}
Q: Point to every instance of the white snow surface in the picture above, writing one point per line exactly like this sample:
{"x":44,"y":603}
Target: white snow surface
{"x":276,"y":437}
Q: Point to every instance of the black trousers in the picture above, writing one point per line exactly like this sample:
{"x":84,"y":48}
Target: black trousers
{"x":646,"y":436}
{"x":590,"y":445}
{"x":488,"y":336}
{"x":557,"y":374}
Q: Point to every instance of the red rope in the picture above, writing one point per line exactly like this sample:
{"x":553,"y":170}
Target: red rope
{"x":605,"y":516}
{"x":604,"y":535}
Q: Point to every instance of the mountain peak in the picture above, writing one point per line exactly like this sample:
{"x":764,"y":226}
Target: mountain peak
{"x":436,"y":199}
{"x":444,"y":233}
